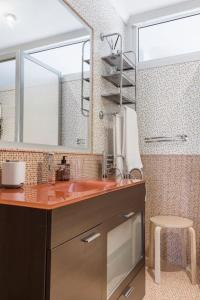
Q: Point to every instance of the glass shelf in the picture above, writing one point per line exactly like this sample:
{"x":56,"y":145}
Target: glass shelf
{"x":114,"y":60}
{"x":116,"y":98}
{"x":115,"y":80}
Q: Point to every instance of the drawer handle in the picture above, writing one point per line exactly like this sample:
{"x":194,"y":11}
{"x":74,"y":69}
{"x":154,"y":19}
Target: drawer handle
{"x":129,"y":292}
{"x":127,"y":216}
{"x":91,"y":238}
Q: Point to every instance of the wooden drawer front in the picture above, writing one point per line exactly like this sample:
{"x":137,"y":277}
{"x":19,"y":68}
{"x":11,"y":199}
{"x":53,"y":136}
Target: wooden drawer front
{"x":136,"y":289}
{"x":70,"y":221}
{"x":77,"y":267}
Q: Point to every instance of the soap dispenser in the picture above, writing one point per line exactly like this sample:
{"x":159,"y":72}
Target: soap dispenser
{"x":63,"y":172}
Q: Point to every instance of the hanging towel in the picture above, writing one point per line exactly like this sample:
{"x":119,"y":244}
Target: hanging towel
{"x":117,"y":141}
{"x":131,"y":150}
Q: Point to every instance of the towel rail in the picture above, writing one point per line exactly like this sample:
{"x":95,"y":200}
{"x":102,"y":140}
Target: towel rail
{"x":103,"y":114}
{"x":161,"y":139}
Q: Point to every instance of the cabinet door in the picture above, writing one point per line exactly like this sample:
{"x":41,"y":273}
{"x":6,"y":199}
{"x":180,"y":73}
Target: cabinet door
{"x":78,"y":267}
{"x":124,"y":249}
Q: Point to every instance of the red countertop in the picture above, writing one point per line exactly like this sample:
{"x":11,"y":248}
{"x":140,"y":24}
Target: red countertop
{"x":46,"y":196}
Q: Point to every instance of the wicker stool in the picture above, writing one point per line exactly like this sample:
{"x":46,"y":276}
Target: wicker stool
{"x":159,"y":222}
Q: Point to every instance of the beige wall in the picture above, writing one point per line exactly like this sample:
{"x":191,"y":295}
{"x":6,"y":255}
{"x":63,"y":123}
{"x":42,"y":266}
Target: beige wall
{"x":173,"y":188}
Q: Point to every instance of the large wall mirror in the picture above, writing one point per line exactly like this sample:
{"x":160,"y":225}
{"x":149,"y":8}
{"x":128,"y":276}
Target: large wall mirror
{"x":45,"y":74}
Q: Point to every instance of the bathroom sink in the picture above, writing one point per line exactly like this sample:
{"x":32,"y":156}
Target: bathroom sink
{"x":85,"y":186}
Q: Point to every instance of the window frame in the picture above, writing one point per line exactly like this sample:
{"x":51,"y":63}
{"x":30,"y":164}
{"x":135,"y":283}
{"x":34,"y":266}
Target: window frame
{"x":168,"y":60}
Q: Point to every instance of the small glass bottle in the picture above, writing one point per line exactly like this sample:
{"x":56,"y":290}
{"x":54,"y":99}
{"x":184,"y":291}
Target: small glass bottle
{"x":51,"y":169}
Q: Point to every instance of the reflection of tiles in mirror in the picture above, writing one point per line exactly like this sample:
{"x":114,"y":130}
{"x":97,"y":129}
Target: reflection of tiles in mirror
{"x":74,"y":124}
{"x":175,"y":285}
{"x":7,"y":99}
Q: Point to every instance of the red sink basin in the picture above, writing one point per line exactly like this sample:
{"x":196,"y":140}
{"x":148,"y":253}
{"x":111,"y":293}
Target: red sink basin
{"x":84,"y":186}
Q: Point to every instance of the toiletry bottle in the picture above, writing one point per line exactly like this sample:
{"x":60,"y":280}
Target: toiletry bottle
{"x":59,"y":172}
{"x":66,"y":169}
{"x":63,"y":171}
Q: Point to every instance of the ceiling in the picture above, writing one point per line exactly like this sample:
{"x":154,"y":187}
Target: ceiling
{"x":126,"y":8}
{"x":35,"y":20}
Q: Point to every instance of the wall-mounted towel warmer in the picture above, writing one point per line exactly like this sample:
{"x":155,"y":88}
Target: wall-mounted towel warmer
{"x":110,"y":170}
{"x":161,"y":139}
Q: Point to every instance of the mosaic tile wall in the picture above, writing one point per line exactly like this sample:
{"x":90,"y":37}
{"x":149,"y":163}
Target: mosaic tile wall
{"x":173,"y":187}
{"x":168,"y":103}
{"x":83,"y":166}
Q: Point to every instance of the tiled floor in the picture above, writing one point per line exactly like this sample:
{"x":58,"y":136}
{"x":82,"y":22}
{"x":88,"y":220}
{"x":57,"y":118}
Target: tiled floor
{"x":175,"y":285}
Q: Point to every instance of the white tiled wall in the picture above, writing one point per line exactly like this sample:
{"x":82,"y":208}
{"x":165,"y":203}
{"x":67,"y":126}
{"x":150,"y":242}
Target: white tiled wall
{"x":168,"y":103}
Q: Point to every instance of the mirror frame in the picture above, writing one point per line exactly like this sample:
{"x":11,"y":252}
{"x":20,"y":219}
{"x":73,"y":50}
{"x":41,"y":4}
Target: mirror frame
{"x":17,"y":54}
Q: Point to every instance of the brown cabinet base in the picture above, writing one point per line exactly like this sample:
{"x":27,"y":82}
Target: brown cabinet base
{"x":43,"y":255}
{"x":22,"y":253}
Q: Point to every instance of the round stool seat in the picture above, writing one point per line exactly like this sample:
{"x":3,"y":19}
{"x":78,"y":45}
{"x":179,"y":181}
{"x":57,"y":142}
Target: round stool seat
{"x":171,"y":222}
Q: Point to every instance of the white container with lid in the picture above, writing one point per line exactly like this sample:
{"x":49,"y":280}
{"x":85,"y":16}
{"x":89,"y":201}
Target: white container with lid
{"x":13,"y":173}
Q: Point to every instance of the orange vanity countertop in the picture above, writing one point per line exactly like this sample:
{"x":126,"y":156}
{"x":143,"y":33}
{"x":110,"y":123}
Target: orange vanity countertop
{"x":47,"y":196}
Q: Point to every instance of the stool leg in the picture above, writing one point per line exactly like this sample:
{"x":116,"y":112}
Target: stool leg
{"x":151,"y":245}
{"x":184,"y":248}
{"x":193,"y":255}
{"x":157,"y":254}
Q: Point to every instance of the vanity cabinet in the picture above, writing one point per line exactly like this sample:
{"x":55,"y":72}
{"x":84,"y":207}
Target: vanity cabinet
{"x":65,"y":253}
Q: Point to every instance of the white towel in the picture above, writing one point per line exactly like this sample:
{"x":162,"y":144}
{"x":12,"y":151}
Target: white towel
{"x":117,"y":141}
{"x":131,"y":150}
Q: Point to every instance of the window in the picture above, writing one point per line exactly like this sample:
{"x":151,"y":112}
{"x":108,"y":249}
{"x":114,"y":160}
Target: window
{"x":169,"y":38}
